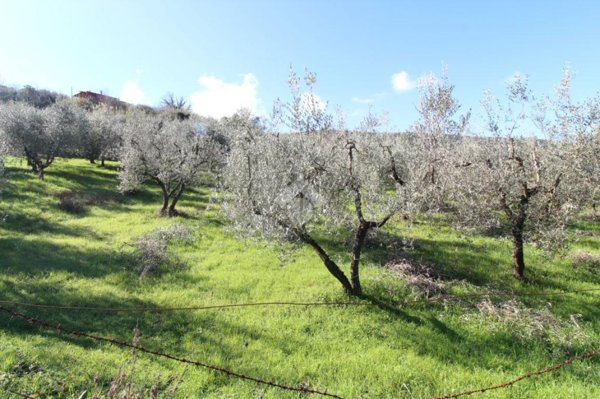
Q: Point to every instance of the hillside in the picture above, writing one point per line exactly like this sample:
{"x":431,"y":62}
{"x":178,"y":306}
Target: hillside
{"x":441,"y":314}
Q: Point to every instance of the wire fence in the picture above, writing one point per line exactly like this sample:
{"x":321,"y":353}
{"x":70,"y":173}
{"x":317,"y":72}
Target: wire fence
{"x":554,"y":367}
{"x":234,"y":374}
{"x":434,"y":299}
{"x":174,"y":309}
{"x":229,"y":373}
{"x":19,"y":394}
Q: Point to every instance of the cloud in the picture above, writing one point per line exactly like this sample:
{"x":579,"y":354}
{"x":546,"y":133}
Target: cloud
{"x":363,"y":100}
{"x":401,"y":82}
{"x":131,"y":93}
{"x":311,"y":102}
{"x":515,"y":77}
{"x":218,"y":98}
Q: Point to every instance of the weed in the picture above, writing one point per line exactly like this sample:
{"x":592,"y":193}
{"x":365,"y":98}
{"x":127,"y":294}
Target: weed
{"x":151,"y":250}
{"x":586,"y":259}
{"x":527,"y":323}
{"x":70,"y":202}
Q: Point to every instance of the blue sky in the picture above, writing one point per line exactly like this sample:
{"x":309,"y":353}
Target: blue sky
{"x":224,"y":54}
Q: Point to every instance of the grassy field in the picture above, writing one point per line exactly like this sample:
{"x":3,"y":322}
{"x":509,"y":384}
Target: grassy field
{"x":394,"y":345}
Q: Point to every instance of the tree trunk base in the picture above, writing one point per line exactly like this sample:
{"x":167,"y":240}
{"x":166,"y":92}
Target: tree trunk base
{"x":169,"y":213}
{"x":518,"y":276}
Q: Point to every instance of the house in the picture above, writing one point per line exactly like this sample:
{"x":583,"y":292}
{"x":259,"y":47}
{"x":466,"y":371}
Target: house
{"x":99,"y":98}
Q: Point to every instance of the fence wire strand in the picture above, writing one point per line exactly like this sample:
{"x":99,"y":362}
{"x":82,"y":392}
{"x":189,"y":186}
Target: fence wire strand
{"x":532,"y":374}
{"x":173,"y":309}
{"x":229,"y":373}
{"x":19,"y":394}
{"x":257,"y":380}
{"x":439,"y":298}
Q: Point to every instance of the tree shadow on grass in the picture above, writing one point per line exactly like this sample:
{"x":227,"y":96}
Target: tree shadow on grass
{"x":203,"y":335}
{"x":429,"y":335}
{"x":460,"y":260}
{"x":35,"y":256}
{"x":28,"y":224}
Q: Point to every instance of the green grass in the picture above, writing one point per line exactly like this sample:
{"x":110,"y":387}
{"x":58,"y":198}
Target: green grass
{"x":388,"y":348}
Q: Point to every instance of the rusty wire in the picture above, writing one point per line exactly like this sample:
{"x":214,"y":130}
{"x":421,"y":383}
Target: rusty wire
{"x":439,"y":298}
{"x":19,"y":394}
{"x":554,"y":367}
{"x":229,"y":373}
{"x":173,"y":309}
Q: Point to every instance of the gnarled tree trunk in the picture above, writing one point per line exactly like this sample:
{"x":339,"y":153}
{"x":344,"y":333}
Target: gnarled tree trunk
{"x":517,"y":252}
{"x":328,"y":262}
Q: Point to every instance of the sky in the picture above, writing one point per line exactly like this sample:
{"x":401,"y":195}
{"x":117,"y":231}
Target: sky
{"x":227,"y":54}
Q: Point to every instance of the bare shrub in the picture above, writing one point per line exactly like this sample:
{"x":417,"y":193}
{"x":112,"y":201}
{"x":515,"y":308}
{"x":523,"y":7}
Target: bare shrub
{"x":421,"y":278}
{"x":585,"y":259}
{"x":76,"y":202}
{"x":70,"y":202}
{"x":151,"y":250}
{"x":526,"y":323}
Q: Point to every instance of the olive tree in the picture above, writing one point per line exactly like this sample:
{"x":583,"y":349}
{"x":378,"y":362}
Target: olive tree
{"x":313,"y":180}
{"x":170,"y":152}
{"x":102,"y":139}
{"x":579,"y":126}
{"x":41,"y":135}
{"x":513,"y":176}
{"x":435,"y":136}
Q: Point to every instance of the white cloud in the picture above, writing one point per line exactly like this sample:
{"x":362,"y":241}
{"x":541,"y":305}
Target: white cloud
{"x":515,"y":77}
{"x":401,"y":82}
{"x":218,"y":98}
{"x":131,"y":93}
{"x":311,"y":102}
{"x":363,"y":100}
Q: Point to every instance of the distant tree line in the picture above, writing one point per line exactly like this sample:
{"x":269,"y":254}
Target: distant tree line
{"x":38,"y":98}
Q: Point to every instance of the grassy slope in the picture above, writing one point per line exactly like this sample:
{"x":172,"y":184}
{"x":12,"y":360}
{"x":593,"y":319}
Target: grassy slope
{"x":381,"y":350}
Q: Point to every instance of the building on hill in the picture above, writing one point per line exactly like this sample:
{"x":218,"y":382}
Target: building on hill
{"x":99,"y":98}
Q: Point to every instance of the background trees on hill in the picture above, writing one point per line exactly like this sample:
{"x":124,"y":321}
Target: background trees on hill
{"x":171,"y":153}
{"x":513,"y":177}
{"x":178,"y":106}
{"x":39,"y":98}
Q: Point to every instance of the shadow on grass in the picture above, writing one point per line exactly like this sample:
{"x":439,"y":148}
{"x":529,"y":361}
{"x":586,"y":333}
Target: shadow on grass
{"x":203,"y":335}
{"x":29,"y":224}
{"x":36,"y":256}
{"x":92,"y":186}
